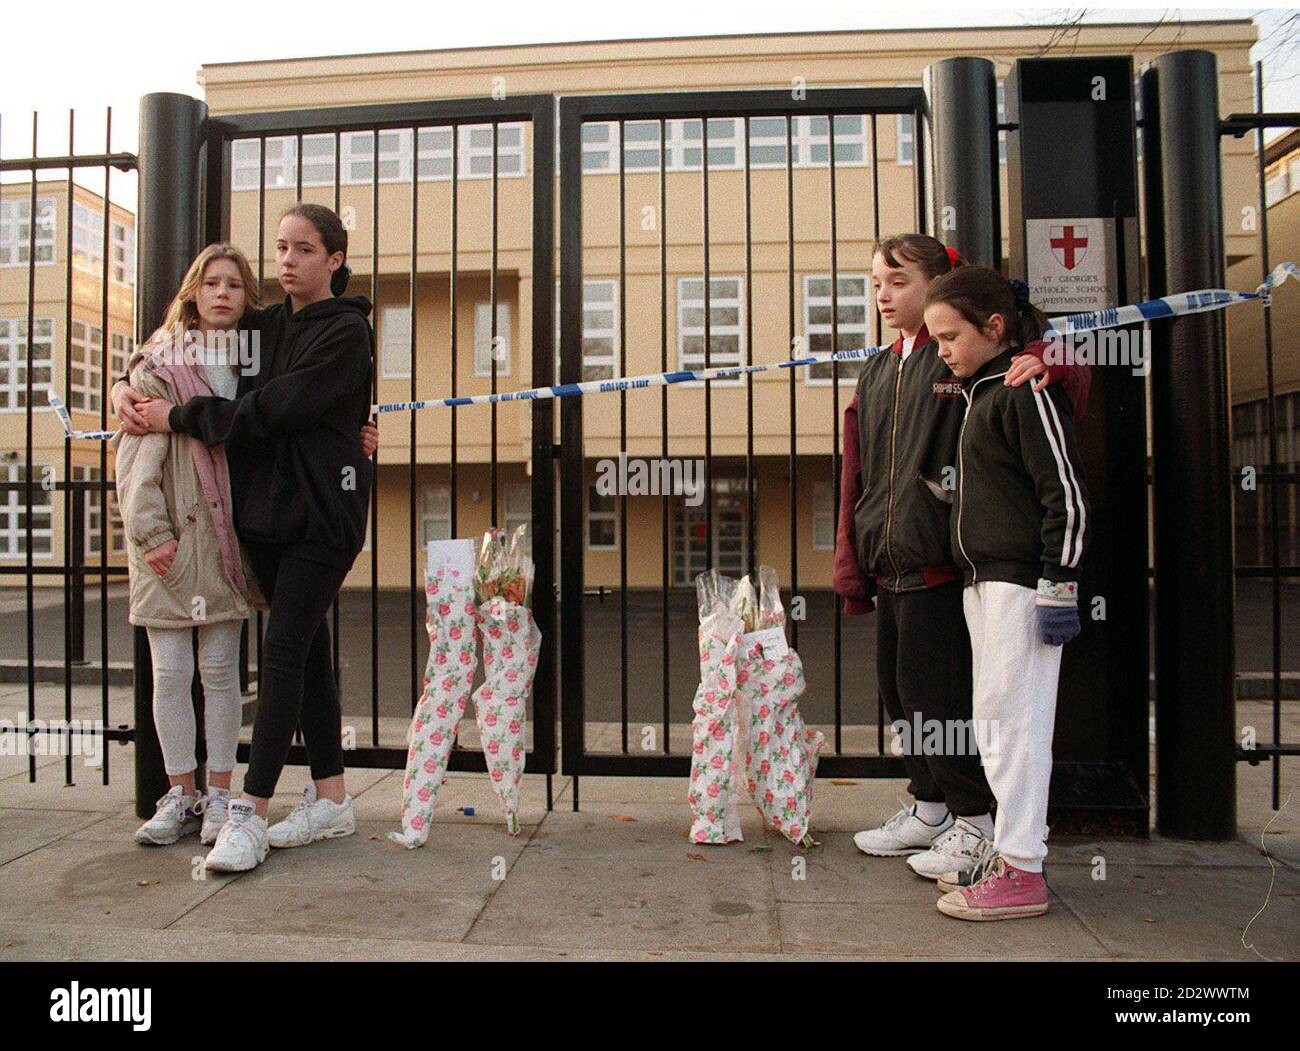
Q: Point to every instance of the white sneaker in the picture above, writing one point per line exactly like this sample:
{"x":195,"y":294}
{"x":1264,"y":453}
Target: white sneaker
{"x":904,"y":833}
{"x":241,"y":843}
{"x":956,"y":851}
{"x":174,"y":817}
{"x":216,"y":808}
{"x":314,"y":819}
{"x":981,"y":860}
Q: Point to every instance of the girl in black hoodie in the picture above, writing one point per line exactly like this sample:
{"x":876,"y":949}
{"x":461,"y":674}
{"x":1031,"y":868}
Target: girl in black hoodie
{"x":301,"y":488}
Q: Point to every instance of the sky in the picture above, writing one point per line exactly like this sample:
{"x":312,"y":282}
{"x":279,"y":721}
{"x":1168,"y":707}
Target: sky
{"x":88,"y":56}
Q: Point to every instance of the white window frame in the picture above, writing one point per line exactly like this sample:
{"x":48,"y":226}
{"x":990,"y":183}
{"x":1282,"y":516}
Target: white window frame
{"x":92,"y":518}
{"x":14,"y":240}
{"x":823,"y":515}
{"x":120,"y":355}
{"x":483,"y":338}
{"x":590,"y":516}
{"x":1002,"y":117}
{"x":905,"y":140}
{"x":848,"y":376}
{"x":15,"y":356}
{"x":590,"y":330}
{"x":432,"y":515}
{"x":84,"y":396}
{"x":121,"y":265}
{"x":11,"y":509}
{"x":395,"y":340}
{"x":87,"y":238}
{"x":692,"y":361}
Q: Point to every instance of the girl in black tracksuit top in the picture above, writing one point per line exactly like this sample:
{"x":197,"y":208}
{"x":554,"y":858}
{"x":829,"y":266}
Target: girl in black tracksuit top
{"x":1020,"y":526}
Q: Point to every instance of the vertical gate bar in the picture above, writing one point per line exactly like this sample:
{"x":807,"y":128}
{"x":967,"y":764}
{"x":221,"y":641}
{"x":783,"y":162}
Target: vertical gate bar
{"x":261,"y":288}
{"x":1275,"y":486}
{"x":708,"y":350}
{"x":572,"y":463}
{"x":27,"y":468}
{"x":338,"y":677}
{"x":492,"y":343}
{"x":374,"y":489}
{"x":789,"y":343}
{"x":298,"y":172}
{"x":415,"y":594}
{"x":102,"y":496}
{"x":918,"y":171}
{"x":751,"y":509}
{"x":542,"y":434}
{"x":880,"y":336}
{"x":68,"y":585}
{"x":622,"y":429}
{"x":835,"y":426}
{"x":455,"y":186}
{"x":665,"y":508}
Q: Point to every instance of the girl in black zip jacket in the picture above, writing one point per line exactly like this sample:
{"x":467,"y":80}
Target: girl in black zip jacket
{"x":301,"y":489}
{"x":1020,"y":526}
{"x":893,"y":552}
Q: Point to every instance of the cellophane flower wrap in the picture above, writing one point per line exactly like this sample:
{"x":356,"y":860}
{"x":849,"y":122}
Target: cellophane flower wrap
{"x":511,"y":645}
{"x":451,"y":617}
{"x":716,"y":781}
{"x":781,"y":755}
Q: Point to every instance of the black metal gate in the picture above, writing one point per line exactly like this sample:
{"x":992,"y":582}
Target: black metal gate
{"x":418,"y":119}
{"x":781,"y":130}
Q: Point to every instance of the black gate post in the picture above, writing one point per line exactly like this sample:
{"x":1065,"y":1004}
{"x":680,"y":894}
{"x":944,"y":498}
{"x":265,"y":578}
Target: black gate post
{"x":1195,"y":674}
{"x":962,"y":131}
{"x":171,"y":134}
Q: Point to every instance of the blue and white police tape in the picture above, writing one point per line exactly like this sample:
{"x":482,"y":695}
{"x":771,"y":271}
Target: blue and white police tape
{"x":56,"y":403}
{"x":1152,"y":310}
{"x":1179,"y":305}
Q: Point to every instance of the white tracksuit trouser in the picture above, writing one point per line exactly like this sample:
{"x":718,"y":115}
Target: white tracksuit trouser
{"x":173,"y":705}
{"x":1014,"y":707}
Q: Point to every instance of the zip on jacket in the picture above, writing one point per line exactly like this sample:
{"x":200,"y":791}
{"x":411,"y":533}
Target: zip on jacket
{"x":1021,"y":509}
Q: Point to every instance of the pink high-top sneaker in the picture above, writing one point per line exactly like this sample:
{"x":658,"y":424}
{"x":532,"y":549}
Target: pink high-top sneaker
{"x":1005,"y":893}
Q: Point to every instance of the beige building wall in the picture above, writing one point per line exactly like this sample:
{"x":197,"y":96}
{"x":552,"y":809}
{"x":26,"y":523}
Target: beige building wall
{"x":50,"y":307}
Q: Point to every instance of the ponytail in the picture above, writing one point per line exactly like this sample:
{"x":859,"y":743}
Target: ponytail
{"x":339,"y":280}
{"x":977,"y":293}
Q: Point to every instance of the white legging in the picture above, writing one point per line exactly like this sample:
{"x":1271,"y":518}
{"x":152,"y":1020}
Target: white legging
{"x":173,"y":707}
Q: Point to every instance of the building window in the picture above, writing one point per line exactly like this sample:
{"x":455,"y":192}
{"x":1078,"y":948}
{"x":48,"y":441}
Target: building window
{"x":14,"y":518}
{"x":435,"y":514}
{"x":121,"y":354}
{"x":87,"y":237}
{"x":599,"y":330}
{"x":123,"y":268}
{"x":823,"y":509}
{"x":484,"y":350}
{"x":93,"y":520}
{"x":726,"y":338}
{"x":851,"y":307}
{"x":280,"y":160}
{"x":395,"y":340}
{"x":683,"y":144}
{"x":1002,"y":118}
{"x":518,"y":510}
{"x":87,"y":378}
{"x":602,"y":519}
{"x":905,"y":151}
{"x":729,"y":543}
{"x":14,"y":362}
{"x":16,"y":231}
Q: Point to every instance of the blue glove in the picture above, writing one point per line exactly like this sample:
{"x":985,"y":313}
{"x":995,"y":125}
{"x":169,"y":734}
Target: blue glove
{"x":1057,"y":625}
{"x":1057,"y":611}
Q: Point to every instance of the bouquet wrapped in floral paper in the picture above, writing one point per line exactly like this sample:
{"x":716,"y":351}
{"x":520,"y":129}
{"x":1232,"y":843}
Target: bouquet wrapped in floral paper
{"x":511,"y":644}
{"x":716,"y":774}
{"x":781,"y":754}
{"x":451,"y":618}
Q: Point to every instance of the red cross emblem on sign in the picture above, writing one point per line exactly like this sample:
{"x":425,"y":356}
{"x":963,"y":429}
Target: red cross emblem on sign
{"x":1069,"y":245}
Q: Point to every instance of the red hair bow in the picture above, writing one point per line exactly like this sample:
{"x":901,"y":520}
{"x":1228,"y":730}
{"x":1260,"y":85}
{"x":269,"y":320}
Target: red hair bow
{"x":952,"y":256}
